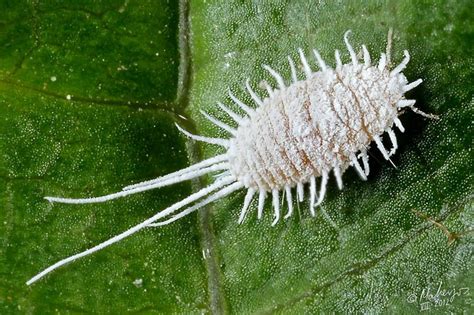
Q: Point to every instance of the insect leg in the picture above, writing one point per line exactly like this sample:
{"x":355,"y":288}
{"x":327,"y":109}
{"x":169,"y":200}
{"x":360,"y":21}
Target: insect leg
{"x":365,"y":162}
{"x":381,"y":147}
{"x":393,"y":139}
{"x":358,"y":168}
{"x":399,"y":125}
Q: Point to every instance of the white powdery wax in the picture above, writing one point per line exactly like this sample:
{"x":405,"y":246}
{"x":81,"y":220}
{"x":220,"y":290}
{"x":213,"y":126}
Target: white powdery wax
{"x":300,"y":132}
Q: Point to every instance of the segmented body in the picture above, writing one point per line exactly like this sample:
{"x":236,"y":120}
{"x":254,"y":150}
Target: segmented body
{"x":301,"y":132}
{"x":315,"y":125}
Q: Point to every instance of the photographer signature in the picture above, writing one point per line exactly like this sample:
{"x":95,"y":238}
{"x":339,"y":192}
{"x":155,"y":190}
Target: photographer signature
{"x":429,"y":298}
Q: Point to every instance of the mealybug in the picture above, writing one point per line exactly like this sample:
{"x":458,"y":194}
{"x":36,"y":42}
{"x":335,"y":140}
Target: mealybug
{"x":300,"y":132}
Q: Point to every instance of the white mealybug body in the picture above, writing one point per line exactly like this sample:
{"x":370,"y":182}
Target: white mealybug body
{"x":312,"y":126}
{"x":301,"y":132}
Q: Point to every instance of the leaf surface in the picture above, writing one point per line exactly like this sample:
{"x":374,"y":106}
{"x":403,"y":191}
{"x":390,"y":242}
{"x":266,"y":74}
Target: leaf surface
{"x":89,"y":94}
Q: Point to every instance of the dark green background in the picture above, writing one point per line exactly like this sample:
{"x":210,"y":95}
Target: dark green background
{"x":131,"y":69}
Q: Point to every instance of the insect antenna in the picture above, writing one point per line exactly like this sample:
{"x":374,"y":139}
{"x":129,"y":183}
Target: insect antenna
{"x":419,"y":112}
{"x":201,"y":193}
{"x":410,"y":104}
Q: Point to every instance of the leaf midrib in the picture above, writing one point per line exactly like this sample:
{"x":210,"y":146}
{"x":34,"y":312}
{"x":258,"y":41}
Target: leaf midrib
{"x":217,"y":300}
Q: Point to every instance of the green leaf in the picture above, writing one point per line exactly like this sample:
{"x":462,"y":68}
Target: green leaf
{"x":89,"y":93}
